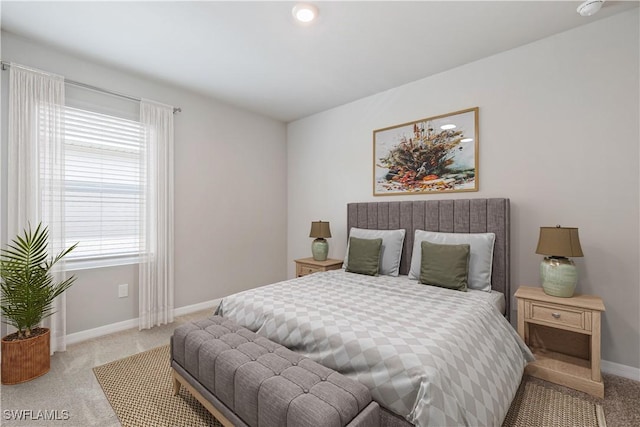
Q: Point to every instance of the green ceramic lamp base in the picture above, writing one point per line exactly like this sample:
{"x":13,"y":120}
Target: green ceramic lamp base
{"x":559,"y":276}
{"x":320,"y":249}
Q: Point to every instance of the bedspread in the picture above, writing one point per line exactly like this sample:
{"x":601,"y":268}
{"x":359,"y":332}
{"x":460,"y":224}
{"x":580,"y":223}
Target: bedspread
{"x":432,"y":355}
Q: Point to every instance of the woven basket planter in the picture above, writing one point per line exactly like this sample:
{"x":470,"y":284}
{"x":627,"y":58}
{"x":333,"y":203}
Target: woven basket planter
{"x":24,"y":360}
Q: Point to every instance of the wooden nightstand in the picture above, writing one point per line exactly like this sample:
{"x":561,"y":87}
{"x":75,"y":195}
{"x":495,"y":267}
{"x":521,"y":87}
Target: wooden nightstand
{"x":306,"y":266}
{"x":564,"y":335}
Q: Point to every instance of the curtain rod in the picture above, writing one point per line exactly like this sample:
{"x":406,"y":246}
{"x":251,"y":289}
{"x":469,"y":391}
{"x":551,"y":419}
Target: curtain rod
{"x":6,"y":65}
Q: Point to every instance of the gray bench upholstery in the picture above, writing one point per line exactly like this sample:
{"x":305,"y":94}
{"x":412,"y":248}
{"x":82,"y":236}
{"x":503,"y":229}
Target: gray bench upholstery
{"x":255,"y":382}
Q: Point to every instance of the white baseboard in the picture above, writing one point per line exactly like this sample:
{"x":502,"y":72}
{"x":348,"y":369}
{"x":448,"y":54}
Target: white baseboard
{"x":620,"y":370}
{"x":77,"y":337}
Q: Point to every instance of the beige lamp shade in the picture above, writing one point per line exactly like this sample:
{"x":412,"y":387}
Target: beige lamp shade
{"x":320,"y":229}
{"x":559,"y":242}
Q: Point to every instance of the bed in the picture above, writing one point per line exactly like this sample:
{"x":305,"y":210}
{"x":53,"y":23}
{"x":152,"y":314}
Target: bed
{"x":429,"y":356}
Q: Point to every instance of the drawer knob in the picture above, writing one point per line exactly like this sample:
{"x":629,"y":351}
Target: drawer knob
{"x":555,"y":315}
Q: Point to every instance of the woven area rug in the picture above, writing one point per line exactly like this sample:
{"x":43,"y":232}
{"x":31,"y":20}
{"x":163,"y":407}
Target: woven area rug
{"x":539,"y":406}
{"x":140,"y":391}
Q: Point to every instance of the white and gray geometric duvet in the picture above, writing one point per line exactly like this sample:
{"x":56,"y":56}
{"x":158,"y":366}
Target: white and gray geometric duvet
{"x":434,"y":356}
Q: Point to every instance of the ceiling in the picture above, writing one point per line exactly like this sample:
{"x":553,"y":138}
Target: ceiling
{"x":252,"y":55}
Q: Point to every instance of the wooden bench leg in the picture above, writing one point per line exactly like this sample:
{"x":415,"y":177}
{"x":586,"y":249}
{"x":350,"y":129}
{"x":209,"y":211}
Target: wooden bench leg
{"x":178,"y":380}
{"x":176,"y":383}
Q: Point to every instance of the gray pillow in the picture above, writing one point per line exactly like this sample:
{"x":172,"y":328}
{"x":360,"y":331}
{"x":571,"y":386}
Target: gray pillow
{"x":392,"y":242}
{"x":446,"y":266}
{"x":364,"y":256}
{"x":480,"y":258}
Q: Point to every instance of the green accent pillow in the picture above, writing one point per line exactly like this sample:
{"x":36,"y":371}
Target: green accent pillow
{"x":446,"y":266}
{"x":364,"y":256}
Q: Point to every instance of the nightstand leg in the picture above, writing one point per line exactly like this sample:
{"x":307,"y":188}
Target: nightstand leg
{"x":595,"y":347}
{"x":521,"y":325}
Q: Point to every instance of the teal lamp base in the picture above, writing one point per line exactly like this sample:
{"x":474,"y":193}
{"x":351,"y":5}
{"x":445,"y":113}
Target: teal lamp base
{"x":559,"y":276}
{"x":320,"y":249}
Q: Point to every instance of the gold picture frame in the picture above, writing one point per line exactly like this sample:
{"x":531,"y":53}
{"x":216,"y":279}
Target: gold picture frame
{"x":434,"y":155}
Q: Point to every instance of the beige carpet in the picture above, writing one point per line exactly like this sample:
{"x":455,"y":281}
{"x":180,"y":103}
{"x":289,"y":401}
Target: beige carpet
{"x":140,"y":391}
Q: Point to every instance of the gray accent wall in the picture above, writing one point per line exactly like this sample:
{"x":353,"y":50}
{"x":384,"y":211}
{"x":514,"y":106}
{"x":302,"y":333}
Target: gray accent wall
{"x":559,"y":136}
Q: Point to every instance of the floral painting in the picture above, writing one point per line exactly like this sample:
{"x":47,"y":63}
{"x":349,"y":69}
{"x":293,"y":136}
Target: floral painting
{"x":434,"y":155}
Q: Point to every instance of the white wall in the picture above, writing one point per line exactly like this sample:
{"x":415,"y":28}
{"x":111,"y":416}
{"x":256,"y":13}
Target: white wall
{"x":230,"y":193}
{"x":559,"y":136}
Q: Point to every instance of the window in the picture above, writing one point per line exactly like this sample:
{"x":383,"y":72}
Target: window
{"x":103,"y":186}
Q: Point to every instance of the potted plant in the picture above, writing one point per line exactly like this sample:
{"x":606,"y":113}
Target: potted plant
{"x":28,"y":290}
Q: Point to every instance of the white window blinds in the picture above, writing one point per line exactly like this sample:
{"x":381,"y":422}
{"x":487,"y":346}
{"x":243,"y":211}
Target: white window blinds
{"x":104,"y":193}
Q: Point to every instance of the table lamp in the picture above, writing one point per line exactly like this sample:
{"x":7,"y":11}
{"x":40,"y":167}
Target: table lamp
{"x":320,"y":247}
{"x":558,"y":273}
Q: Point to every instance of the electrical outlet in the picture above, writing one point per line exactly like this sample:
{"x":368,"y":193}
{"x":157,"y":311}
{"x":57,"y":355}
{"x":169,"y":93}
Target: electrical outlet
{"x":123,"y":290}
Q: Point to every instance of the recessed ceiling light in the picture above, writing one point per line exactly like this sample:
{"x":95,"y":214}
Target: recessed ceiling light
{"x":447,"y":127}
{"x":304,"y":12}
{"x":589,"y":7}
{"x":466,"y":140}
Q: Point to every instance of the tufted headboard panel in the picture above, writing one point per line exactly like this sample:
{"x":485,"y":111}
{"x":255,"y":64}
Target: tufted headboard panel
{"x":447,"y":216}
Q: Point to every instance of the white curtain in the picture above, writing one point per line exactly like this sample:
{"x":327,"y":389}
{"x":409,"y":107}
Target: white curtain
{"x":156,"y":270}
{"x":36,"y":169}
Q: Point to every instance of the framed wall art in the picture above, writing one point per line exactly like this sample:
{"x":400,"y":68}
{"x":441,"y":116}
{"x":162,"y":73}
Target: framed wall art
{"x":433,"y":155}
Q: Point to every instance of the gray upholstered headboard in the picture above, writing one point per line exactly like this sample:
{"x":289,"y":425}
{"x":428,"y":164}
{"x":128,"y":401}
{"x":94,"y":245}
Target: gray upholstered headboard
{"x":448,"y":216}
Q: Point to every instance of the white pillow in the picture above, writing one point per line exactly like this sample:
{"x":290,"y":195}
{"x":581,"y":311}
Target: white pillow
{"x":392,"y":241}
{"x":480,"y":258}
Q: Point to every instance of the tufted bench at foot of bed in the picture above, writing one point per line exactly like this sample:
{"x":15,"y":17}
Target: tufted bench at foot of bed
{"x":245,"y":379}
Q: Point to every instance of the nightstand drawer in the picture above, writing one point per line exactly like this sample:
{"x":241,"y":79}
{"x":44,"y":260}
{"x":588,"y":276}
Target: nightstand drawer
{"x":559,"y":315}
{"x":303,"y":270}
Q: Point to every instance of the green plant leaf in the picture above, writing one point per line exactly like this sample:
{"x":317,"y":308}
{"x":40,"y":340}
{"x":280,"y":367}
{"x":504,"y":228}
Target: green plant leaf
{"x":27,"y":284}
